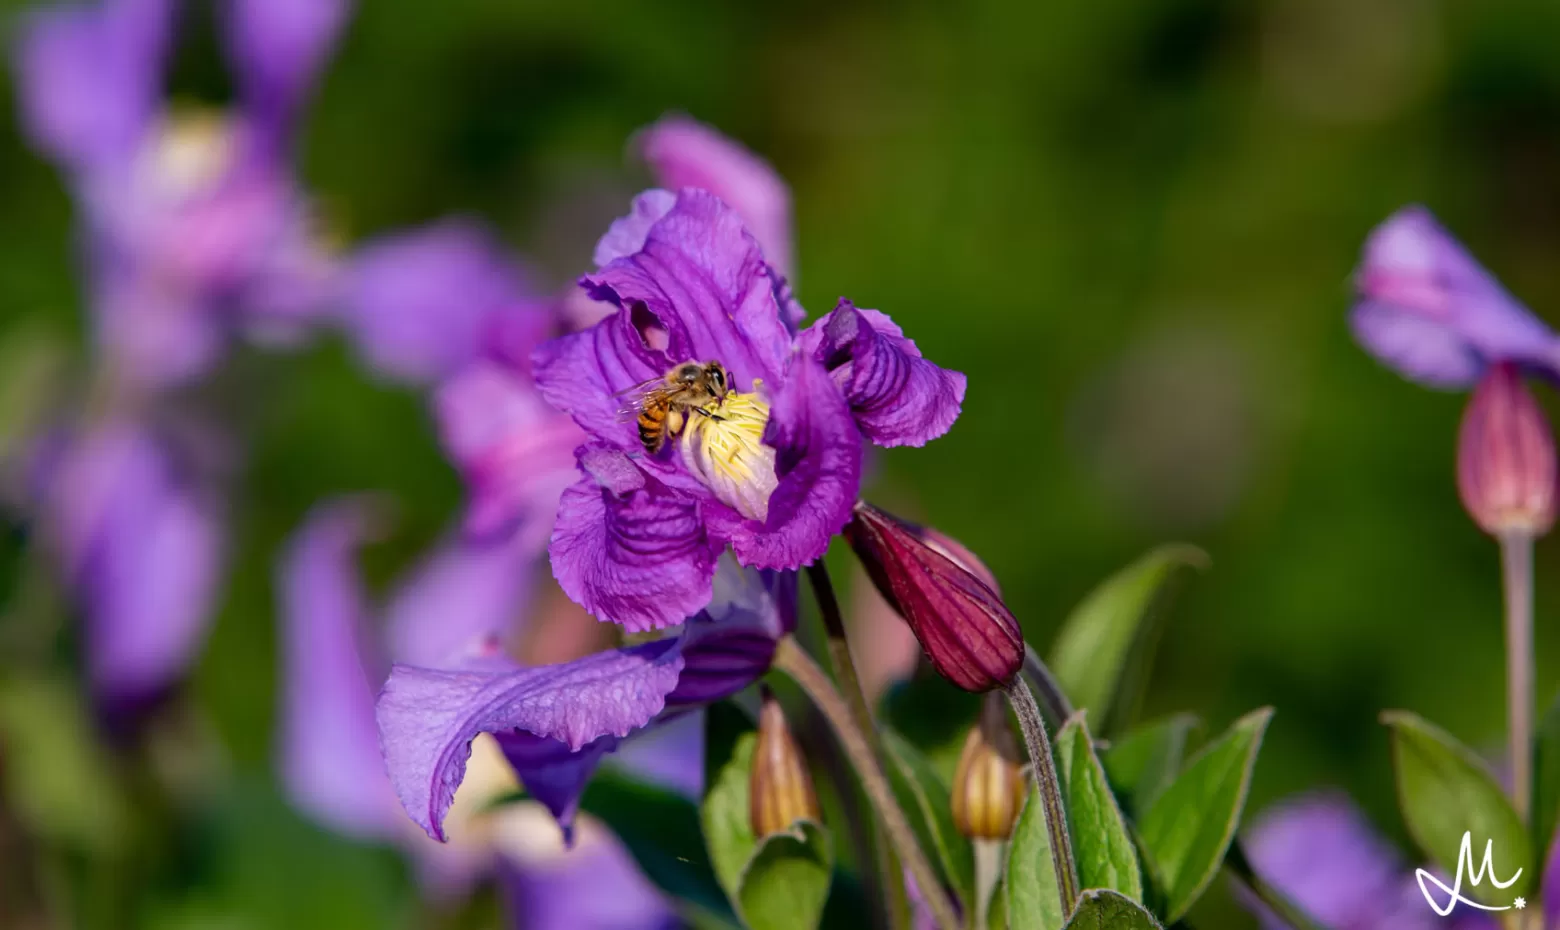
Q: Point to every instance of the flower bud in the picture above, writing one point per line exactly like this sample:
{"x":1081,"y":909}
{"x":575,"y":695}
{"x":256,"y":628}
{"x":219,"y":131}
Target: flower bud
{"x":968,"y":634}
{"x":988,"y":785}
{"x":780,"y":791}
{"x":1506,"y":457}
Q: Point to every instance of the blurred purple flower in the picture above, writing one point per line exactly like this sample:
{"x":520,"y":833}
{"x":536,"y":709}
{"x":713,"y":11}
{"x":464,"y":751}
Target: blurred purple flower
{"x":192,"y":224}
{"x":1323,"y":854}
{"x":1428,"y":310}
{"x":774,"y":475}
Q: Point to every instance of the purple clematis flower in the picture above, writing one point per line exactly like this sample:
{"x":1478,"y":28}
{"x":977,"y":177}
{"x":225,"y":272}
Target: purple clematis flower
{"x":1323,"y":854}
{"x":773,"y":468}
{"x":1429,"y":311}
{"x":193,"y":226}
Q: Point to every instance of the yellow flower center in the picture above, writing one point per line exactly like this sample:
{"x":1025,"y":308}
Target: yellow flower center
{"x":192,"y":152}
{"x":723,"y":445}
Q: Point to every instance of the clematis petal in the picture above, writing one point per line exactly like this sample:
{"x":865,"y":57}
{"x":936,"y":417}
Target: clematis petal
{"x":818,"y":464}
{"x":1430,"y":311}
{"x":329,"y":754}
{"x":731,"y":643}
{"x":279,"y":47}
{"x":463,"y":594}
{"x":428,"y":718}
{"x":419,"y":304}
{"x":898,"y":397}
{"x":553,"y":773}
{"x":682,"y":152}
{"x":639,"y":558}
{"x":627,"y":234}
{"x":596,"y":886}
{"x":90,"y":78}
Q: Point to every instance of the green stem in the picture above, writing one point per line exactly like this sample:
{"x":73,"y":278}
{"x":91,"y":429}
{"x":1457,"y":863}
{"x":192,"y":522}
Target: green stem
{"x":990,"y":859}
{"x":790,"y":659}
{"x":1050,"y":788}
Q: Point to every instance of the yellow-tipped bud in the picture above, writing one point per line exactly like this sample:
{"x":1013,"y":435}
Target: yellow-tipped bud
{"x":988,"y":785}
{"x":780,"y":791}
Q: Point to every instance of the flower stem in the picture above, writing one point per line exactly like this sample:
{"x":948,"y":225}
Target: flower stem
{"x":1050,"y":788}
{"x":990,"y":859}
{"x":792,"y":660}
{"x":1516,"y":556}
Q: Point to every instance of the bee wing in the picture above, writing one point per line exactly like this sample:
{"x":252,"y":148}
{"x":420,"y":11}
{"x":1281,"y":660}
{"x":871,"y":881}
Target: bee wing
{"x":636,"y":396}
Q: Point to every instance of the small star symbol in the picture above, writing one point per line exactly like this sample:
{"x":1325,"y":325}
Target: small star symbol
{"x":1520,"y":903}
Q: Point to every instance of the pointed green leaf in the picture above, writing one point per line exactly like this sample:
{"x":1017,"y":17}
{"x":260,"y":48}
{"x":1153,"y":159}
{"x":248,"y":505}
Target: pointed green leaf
{"x":1034,"y":902}
{"x":1106,"y":910}
{"x":724,"y":815}
{"x":1102,"y":847}
{"x":1103,"y":652}
{"x":1445,"y":791}
{"x":926,"y":801}
{"x":1546,"y":780}
{"x":786,"y":883}
{"x":1191,"y":824}
{"x":1143,"y":762}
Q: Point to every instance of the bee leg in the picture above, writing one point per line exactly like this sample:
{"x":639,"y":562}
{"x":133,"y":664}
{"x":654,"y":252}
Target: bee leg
{"x":674,"y":422}
{"x":709,"y":413}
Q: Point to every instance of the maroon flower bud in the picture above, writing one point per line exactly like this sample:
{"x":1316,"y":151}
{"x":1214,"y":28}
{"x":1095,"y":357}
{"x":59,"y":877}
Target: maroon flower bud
{"x":1506,"y":457}
{"x":988,"y":785}
{"x":780,"y":791}
{"x":969,"y":635}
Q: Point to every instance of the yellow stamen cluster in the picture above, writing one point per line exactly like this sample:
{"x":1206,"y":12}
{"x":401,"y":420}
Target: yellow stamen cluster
{"x":723,"y":445}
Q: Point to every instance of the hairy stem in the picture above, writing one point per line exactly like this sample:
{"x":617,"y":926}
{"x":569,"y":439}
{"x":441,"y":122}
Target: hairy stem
{"x":1050,"y":788}
{"x":793,"y":661}
{"x":1516,"y":556}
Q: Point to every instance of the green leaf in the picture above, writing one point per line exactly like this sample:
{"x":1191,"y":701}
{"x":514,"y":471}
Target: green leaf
{"x":724,"y":815}
{"x":786,"y":883}
{"x":1102,"y":847}
{"x":1189,"y":827}
{"x":926,"y":801}
{"x":1445,"y":791}
{"x":1103,"y":652}
{"x":1034,"y":902}
{"x":1145,"y":761}
{"x":1546,"y":780}
{"x":1106,"y":910}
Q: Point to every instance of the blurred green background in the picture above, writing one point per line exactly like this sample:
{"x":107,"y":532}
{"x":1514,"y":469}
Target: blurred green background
{"x":1132,"y":223}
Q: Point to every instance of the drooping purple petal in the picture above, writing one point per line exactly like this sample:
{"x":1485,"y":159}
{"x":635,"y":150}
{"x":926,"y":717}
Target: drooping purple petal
{"x":898,"y":397}
{"x":419,"y":304}
{"x":634,"y":555}
{"x":330,"y":761}
{"x":427,"y":718}
{"x":731,"y":643}
{"x":279,"y":47}
{"x":1430,"y":311}
{"x":682,"y":152}
{"x":90,"y":78}
{"x":818,"y":464}
{"x":553,"y":773}
{"x":463,"y":594}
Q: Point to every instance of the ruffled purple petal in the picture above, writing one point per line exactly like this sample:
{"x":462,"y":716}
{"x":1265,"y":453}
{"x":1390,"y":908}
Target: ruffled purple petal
{"x":90,"y":78}
{"x":898,"y":397}
{"x":818,"y":464}
{"x":279,"y":47}
{"x":463,"y":595}
{"x":553,"y":773}
{"x":627,"y":234}
{"x":330,"y":761}
{"x":419,"y":304}
{"x":1428,"y":310}
{"x":427,"y":718}
{"x":682,"y":152}
{"x":635,"y":556}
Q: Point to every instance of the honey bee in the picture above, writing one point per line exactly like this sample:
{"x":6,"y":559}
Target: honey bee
{"x":661,"y":406}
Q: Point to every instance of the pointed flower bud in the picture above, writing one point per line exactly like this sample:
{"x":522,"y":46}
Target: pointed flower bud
{"x":969,"y":635}
{"x":1506,"y":457}
{"x":780,"y":791}
{"x":988,"y":785}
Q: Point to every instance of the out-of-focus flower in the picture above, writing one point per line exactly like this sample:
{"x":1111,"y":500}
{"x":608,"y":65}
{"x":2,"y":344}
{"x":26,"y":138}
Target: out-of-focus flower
{"x":770,"y":468}
{"x":193,"y":225}
{"x":967,"y":632}
{"x":1506,"y":457}
{"x":1322,"y":854}
{"x":1429,"y":311}
{"x":330,"y":756}
{"x":780,"y":789}
{"x":988,"y":783}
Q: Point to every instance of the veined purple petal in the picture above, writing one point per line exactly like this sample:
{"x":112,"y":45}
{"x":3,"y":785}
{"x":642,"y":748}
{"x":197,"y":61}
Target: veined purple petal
{"x":419,"y":304}
{"x":330,"y":761}
{"x":731,"y":643}
{"x":682,"y":153}
{"x":641,"y":560}
{"x":898,"y":397}
{"x":818,"y":463}
{"x":90,"y":78}
{"x":627,"y":234}
{"x":428,"y":718}
{"x":279,"y":47}
{"x":463,"y":594}
{"x":1429,"y":310}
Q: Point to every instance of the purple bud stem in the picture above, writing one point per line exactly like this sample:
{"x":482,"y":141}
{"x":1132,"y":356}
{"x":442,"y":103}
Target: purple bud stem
{"x":1516,"y":557}
{"x":1050,"y":789}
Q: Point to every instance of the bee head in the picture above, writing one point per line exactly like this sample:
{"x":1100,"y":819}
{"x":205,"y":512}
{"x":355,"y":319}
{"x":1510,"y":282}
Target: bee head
{"x":716,"y":373}
{"x":686,"y":373}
